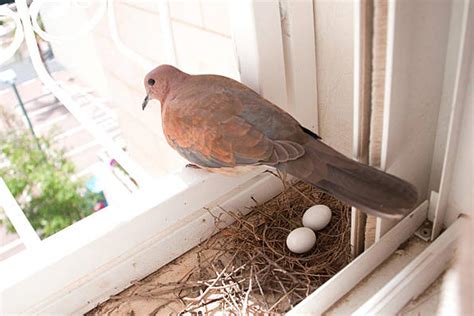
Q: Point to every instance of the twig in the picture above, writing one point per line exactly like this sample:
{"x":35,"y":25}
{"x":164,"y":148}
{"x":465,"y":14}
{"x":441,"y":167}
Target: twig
{"x":280,"y":300}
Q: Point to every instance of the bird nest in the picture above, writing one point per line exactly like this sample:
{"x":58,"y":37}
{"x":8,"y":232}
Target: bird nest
{"x":246,"y":268}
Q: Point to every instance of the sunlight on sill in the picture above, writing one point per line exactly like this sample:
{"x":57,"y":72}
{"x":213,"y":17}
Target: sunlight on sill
{"x":104,"y":222}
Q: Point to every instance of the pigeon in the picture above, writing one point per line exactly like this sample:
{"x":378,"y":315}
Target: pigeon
{"x":221,"y":125}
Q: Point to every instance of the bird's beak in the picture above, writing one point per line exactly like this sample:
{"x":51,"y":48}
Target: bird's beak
{"x":145,"y":101}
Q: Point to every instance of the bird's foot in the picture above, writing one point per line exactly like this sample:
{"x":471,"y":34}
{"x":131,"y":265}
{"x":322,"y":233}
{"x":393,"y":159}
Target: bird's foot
{"x":192,"y":166}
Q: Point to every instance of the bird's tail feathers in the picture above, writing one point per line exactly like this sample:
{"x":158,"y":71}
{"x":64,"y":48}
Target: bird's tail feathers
{"x":359,"y":185}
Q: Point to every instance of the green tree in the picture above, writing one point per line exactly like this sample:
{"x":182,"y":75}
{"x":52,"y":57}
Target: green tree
{"x":43,"y":183}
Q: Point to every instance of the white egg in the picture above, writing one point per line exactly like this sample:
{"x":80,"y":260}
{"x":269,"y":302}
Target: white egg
{"x":317,"y":217}
{"x":300,"y":240}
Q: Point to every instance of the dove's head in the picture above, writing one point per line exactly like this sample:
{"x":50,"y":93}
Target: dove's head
{"x":160,"y":81}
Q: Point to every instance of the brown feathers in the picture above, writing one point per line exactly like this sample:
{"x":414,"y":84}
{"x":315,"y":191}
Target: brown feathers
{"x":218,"y":123}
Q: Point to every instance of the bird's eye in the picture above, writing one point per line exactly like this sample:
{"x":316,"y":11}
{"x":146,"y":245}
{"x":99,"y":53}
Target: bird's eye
{"x":151,"y":82}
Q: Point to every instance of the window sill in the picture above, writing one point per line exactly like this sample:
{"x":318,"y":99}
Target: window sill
{"x":73,"y":270}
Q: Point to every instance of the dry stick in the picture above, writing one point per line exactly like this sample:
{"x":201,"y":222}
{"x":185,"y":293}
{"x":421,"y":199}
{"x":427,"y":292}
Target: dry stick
{"x":154,"y":295}
{"x":234,"y":303}
{"x":283,"y":218}
{"x":284,"y":289}
{"x":203,"y":304}
{"x":185,"y":279}
{"x":246,"y":299}
{"x":215,"y":281}
{"x":138,"y":296}
{"x":302,"y":194}
{"x":240,"y":220}
{"x":175,"y":284}
{"x":308,"y":286}
{"x":226,"y":302}
{"x":261,"y":292}
{"x":137,"y":283}
{"x":226,"y":286}
{"x":111,"y":310}
{"x":157,"y":309}
{"x":224,"y":306}
{"x":117,"y":307}
{"x":280,"y":300}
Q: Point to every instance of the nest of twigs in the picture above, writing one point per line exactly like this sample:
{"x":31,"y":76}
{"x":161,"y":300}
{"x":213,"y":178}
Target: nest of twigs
{"x":246,"y":268}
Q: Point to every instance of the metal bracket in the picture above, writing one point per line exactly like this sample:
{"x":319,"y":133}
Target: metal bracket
{"x":424,"y":231}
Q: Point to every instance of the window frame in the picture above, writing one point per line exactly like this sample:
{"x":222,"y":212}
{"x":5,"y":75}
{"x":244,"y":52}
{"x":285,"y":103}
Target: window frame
{"x":80,"y":266}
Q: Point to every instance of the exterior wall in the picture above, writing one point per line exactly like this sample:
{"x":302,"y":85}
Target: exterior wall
{"x":202,"y":36}
{"x":419,"y":57}
{"x":461,"y":199}
{"x":335,"y":67}
{"x":452,"y":52}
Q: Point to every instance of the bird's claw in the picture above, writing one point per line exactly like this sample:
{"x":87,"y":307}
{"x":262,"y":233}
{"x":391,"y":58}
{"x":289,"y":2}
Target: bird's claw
{"x":192,"y":166}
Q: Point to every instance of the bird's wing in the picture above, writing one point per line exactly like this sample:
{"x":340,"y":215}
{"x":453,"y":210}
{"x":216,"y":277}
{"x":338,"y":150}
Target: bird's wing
{"x":270,"y":119}
{"x":207,"y":130}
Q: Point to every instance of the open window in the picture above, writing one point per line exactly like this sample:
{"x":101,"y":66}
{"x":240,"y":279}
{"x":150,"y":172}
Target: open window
{"x":310,"y":57}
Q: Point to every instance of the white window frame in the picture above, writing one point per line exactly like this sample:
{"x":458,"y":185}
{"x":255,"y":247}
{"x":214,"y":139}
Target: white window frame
{"x":423,"y":270}
{"x":73,"y":270}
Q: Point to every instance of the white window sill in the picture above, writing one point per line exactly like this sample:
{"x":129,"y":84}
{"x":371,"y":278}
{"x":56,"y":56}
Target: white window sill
{"x":73,"y":270}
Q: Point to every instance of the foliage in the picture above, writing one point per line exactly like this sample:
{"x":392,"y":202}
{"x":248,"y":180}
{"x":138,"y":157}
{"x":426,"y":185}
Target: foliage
{"x":43,"y":183}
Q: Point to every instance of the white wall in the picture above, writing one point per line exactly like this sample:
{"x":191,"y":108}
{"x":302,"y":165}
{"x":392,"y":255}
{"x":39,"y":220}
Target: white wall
{"x":450,"y":67}
{"x":420,"y":40}
{"x":461,"y":195}
{"x":334,"y":63}
{"x":202,"y":36}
